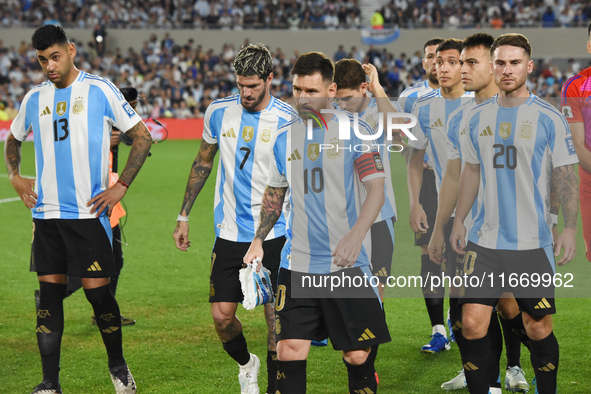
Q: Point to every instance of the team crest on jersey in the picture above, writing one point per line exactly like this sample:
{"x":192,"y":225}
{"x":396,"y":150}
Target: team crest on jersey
{"x":334,"y":152}
{"x":78,"y":106}
{"x":313,"y":151}
{"x":247,"y":133}
{"x":371,"y":121}
{"x":505,"y":130}
{"x":61,"y":108}
{"x":266,"y":135}
{"x":526,"y":131}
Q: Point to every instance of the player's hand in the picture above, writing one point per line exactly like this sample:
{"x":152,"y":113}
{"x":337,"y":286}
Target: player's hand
{"x":436,"y":247}
{"x":457,"y":238}
{"x":25,"y":190}
{"x":181,"y":236}
{"x":567,"y":241}
{"x":418,"y":219}
{"x":114,"y":138}
{"x":348,"y":249}
{"x":374,"y":82}
{"x":107,"y":199}
{"x":254,"y":253}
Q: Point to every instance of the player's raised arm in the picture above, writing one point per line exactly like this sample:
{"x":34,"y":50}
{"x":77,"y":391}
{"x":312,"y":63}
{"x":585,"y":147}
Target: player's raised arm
{"x":200,"y":171}
{"x":271,"y":208}
{"x":23,"y":186}
{"x":140,"y":148}
{"x":377,"y":90}
{"x":568,"y":191}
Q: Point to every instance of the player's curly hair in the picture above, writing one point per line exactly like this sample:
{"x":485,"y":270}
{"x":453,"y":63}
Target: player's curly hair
{"x":348,"y":74}
{"x":47,"y":36}
{"x":254,"y":59}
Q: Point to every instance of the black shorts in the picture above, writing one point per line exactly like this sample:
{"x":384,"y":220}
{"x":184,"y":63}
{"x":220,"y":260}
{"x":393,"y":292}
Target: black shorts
{"x":528,"y":274}
{"x":350,"y":323}
{"x":428,"y":199}
{"x":382,"y":248}
{"x":226,"y":262}
{"x":76,"y":247}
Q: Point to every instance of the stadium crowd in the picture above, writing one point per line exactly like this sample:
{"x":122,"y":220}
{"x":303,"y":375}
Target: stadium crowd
{"x":181,"y":79}
{"x":292,"y":14}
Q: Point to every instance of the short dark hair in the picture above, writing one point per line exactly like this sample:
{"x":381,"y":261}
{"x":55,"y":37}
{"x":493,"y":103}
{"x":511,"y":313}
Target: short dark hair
{"x":47,"y":36}
{"x":433,"y":41}
{"x":514,"y":40}
{"x":478,"y":40}
{"x":348,"y":74}
{"x":253,"y":59}
{"x":314,"y":62}
{"x":589,"y":29}
{"x":450,"y":43}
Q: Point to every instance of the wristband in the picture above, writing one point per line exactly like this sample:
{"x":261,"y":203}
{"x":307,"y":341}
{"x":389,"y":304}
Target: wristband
{"x":554,"y":219}
{"x":123,"y":183}
{"x":182,"y":218}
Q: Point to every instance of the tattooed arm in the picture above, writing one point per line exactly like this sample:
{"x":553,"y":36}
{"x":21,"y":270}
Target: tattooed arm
{"x":568,"y":192}
{"x":554,"y":205}
{"x":270,"y":212}
{"x":200,"y":171}
{"x":140,"y":148}
{"x":24,"y":187}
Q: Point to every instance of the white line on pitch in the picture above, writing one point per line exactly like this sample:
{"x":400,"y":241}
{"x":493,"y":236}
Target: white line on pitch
{"x":10,"y":199}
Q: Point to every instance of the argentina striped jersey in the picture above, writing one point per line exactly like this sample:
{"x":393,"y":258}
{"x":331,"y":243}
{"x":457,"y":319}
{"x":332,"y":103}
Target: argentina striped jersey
{"x":370,"y":116}
{"x":244,"y":140}
{"x":407,"y":100}
{"x":324,"y":195}
{"x":71,"y":131}
{"x":432,"y":111}
{"x":516,"y":149}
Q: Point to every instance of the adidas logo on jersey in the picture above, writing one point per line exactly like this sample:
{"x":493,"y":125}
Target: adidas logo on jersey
{"x":367,"y":335}
{"x":486,"y":132}
{"x":543,"y":304}
{"x":46,"y":111}
{"x":95,"y":267}
{"x":295,"y":156}
{"x":438,"y":123}
{"x":230,"y":134}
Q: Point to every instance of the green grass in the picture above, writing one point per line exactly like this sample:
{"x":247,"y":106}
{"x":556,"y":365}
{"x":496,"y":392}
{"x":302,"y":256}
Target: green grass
{"x":173,"y":347}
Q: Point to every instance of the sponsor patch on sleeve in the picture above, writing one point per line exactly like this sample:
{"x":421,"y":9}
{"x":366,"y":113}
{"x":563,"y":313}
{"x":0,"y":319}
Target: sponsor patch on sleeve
{"x":567,"y":111}
{"x":130,"y":112}
{"x":570,"y":146}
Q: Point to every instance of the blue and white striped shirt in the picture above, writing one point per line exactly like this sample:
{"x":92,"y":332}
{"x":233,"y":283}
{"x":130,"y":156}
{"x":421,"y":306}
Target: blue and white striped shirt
{"x":244,"y":139}
{"x":516,"y":149}
{"x":325,"y":199}
{"x":72,"y":129}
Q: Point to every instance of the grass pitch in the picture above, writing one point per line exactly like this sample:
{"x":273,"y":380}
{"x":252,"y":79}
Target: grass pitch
{"x":173,"y":347}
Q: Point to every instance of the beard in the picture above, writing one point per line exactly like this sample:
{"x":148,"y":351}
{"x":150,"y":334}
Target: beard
{"x":251,"y":106}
